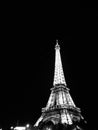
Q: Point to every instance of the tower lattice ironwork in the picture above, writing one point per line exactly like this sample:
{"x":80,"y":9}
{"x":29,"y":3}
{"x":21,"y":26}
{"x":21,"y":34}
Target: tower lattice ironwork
{"x":60,"y":107}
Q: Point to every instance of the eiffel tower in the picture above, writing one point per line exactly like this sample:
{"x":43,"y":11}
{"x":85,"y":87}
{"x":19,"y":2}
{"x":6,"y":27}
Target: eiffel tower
{"x":60,"y":108}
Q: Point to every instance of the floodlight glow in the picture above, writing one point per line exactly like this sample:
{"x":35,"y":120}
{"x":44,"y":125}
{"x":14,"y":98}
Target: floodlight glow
{"x":12,"y":127}
{"x":27,"y":125}
{"x":20,"y":128}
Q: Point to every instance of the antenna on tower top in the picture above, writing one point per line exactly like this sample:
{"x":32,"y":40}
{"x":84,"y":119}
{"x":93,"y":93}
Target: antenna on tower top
{"x":56,"y":42}
{"x":57,"y":46}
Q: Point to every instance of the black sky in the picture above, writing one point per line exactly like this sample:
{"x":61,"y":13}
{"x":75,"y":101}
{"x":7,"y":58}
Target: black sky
{"x":27,"y":61}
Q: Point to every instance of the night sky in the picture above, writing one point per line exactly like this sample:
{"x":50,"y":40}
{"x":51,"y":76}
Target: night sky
{"x":28,"y":57}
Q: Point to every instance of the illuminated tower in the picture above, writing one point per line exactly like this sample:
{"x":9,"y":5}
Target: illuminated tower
{"x":60,"y":108}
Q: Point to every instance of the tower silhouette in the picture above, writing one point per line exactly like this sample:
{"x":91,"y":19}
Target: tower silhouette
{"x":60,"y":108}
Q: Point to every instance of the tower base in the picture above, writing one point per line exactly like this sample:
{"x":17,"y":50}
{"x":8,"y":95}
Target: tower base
{"x":51,"y":126}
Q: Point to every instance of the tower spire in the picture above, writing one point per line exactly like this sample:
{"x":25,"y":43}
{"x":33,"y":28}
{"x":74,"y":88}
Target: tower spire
{"x":58,"y":73}
{"x":57,"y":46}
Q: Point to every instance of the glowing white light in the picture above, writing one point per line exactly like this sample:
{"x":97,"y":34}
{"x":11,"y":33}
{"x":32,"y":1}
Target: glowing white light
{"x":11,"y":127}
{"x":20,"y":128}
{"x":58,"y":75}
{"x":27,"y":125}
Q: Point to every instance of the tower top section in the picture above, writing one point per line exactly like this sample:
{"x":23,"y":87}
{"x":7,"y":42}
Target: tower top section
{"x":58,"y":73}
{"x":57,"y":46}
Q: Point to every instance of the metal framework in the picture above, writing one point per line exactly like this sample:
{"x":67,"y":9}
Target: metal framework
{"x":60,"y":107}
